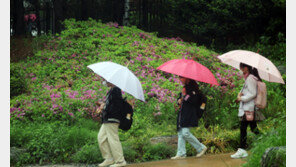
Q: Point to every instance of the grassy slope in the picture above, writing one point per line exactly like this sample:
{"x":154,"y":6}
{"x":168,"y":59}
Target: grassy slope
{"x":62,"y":91}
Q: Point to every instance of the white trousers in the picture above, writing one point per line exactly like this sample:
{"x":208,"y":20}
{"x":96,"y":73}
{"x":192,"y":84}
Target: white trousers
{"x":109,"y":142}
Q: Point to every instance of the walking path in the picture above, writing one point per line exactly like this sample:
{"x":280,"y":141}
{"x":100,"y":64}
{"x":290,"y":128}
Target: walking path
{"x":218,"y":160}
{"x":211,"y":160}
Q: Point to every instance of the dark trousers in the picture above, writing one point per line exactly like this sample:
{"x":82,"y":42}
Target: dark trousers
{"x":243,"y":132}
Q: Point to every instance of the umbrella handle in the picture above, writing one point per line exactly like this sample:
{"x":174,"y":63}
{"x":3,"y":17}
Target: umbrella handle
{"x":127,"y":64}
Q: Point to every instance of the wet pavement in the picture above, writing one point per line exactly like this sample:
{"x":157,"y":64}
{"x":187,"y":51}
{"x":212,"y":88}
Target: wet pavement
{"x":219,"y":160}
{"x":210,"y":160}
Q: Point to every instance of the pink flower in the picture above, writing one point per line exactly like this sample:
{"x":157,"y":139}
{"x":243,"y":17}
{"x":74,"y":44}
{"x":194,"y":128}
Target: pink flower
{"x":42,"y":115}
{"x":34,"y":78}
{"x":71,"y":114}
{"x":55,"y":106}
{"x":151,"y":94}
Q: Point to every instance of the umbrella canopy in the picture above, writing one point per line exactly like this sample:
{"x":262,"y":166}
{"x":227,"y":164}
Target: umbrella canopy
{"x":119,"y":76}
{"x":189,"y":69}
{"x":265,"y":67}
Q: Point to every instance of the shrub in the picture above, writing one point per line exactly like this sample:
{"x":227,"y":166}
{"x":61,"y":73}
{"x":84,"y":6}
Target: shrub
{"x":157,"y":152}
{"x":130,"y":153}
{"x":88,"y":154}
{"x":17,"y":80}
{"x":275,"y":137}
{"x":51,"y":142}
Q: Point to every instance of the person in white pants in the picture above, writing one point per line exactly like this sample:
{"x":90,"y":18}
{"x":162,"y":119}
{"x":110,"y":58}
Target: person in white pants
{"x":108,"y":138}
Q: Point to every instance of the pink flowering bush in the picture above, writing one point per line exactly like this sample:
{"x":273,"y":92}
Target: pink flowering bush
{"x":61,"y":89}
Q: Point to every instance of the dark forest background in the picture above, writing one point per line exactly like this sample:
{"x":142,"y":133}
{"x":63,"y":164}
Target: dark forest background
{"x":219,"y":24}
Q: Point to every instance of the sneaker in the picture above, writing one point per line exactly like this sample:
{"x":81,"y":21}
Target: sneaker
{"x":241,"y":153}
{"x":178,"y":157}
{"x":202,"y":152}
{"x":106,"y":163}
{"x":119,"y":164}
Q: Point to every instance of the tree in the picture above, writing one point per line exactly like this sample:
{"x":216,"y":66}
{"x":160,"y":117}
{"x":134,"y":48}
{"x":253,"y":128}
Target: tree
{"x":37,"y":12}
{"x":17,"y":9}
{"x":60,"y":7}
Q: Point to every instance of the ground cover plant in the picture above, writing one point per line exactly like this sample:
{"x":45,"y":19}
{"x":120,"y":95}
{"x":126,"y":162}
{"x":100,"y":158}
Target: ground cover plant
{"x":53,"y":115}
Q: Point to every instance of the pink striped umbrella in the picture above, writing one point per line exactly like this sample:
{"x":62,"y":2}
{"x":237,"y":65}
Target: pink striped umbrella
{"x":189,"y":69}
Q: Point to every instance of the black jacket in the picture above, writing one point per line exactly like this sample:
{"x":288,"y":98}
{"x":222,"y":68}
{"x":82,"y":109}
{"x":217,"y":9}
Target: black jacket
{"x":187,"y":115}
{"x":112,"y":107}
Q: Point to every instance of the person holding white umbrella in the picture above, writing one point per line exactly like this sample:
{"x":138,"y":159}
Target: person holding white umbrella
{"x":118,"y":78}
{"x":246,"y":97}
{"x":108,"y":138}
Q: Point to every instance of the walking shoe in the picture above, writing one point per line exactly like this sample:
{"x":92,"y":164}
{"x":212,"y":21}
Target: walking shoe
{"x":241,"y":153}
{"x":202,"y":152}
{"x":107,"y":162}
{"x":178,"y":157}
{"x":119,"y":164}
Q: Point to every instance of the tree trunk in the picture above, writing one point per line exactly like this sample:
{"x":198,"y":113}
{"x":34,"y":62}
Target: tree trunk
{"x":58,"y":14}
{"x":145,"y":14}
{"x":18,"y":17}
{"x":126,"y":10}
{"x":37,"y":8}
{"x":47,"y":28}
{"x":84,"y":9}
{"x":118,"y":12}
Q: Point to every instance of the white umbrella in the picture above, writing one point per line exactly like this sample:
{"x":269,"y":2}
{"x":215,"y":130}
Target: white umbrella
{"x":119,"y":76}
{"x":265,"y":67}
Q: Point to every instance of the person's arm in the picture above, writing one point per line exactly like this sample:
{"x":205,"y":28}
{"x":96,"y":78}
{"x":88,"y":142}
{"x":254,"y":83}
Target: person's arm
{"x":252,"y":89}
{"x":179,"y":98}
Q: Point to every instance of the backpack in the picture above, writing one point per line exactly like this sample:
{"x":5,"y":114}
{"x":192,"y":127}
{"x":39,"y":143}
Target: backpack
{"x":261,"y":98}
{"x":125,"y":124}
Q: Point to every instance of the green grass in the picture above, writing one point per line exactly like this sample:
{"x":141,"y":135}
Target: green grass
{"x":54,"y":118}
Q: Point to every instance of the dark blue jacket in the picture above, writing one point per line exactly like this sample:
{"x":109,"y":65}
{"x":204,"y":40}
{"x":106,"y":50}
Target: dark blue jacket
{"x":187,"y":115}
{"x":111,"y":112}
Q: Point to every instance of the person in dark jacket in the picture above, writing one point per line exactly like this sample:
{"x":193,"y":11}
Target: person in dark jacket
{"x":187,"y":118}
{"x":108,"y":138}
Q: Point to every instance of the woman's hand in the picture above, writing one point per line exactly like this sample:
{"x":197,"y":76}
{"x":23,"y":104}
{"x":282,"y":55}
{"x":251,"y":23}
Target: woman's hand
{"x":179,"y":101}
{"x":239,"y":96}
{"x":99,"y":110}
{"x":102,"y":106}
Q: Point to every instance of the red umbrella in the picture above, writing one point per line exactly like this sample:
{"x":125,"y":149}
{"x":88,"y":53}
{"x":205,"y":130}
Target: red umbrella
{"x":189,"y":69}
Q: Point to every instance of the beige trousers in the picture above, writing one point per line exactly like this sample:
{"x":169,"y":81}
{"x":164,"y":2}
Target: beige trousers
{"x":109,"y":143}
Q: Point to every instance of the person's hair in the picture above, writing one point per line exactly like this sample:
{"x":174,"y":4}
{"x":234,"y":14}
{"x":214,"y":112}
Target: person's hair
{"x":192,"y":86}
{"x":252,"y":70}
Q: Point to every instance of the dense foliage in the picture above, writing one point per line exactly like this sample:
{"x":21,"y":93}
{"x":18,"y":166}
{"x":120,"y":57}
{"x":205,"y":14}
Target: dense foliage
{"x":55,"y":119}
{"x":17,"y":81}
{"x":220,"y":23}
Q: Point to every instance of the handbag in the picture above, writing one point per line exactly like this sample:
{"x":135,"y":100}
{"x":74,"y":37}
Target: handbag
{"x":249,"y":115}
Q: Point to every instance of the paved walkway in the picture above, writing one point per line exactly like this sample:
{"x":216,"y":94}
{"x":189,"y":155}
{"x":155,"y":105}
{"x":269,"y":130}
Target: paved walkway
{"x":210,"y":160}
{"x":219,"y":160}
